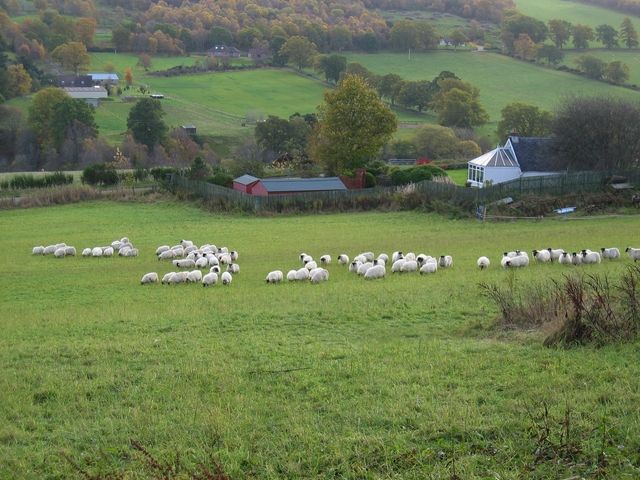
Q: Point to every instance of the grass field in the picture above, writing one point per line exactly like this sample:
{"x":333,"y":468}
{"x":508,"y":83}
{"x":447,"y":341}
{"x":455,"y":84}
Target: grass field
{"x":400,"y":378}
{"x":632,"y":59}
{"x":459,"y":176}
{"x":501,"y":79}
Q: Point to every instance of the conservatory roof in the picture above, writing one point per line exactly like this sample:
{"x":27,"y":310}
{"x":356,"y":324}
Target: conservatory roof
{"x":500,"y":157}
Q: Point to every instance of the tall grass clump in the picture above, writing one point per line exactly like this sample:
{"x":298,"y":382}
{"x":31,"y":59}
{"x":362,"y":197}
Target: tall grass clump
{"x":577,"y":310}
{"x":24,"y":181}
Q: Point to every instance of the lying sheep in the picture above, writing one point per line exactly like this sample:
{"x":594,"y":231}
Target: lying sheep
{"x":375,"y":272}
{"x":483,"y":262}
{"x":275,"y":276}
{"x":209,"y":279}
{"x":446,"y":261}
{"x":610,"y":253}
{"x":151,"y":277}
{"x":343,"y":259}
{"x":634,"y":253}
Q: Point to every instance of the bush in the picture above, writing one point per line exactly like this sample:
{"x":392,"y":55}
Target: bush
{"x":416,"y":174}
{"x":100,"y":174}
{"x":369,"y":180}
{"x":140,"y":174}
{"x":159,"y":174}
{"x":221,"y":178}
{"x":20,"y":182}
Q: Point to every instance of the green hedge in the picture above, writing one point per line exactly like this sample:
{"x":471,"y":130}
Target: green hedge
{"x":402,"y":176}
{"x":22,"y":181}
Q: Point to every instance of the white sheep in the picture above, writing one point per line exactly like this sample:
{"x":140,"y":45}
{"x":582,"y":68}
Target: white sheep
{"x":421,"y":258}
{"x":151,"y":277}
{"x":518,"y":261}
{"x":70,"y":251}
{"x":446,"y":261}
{"x":213,"y":260}
{"x":234,"y":255}
{"x":395,"y":256}
{"x":503,"y":261}
{"x":343,"y":259}
{"x":320,"y":275}
{"x":362,"y":269}
{"x":576,"y":258}
{"x":291,"y":275}
{"x":96,"y":252}
{"x":191,"y":249}
{"x":215,"y":269}
{"x":384,"y":257}
{"x":162,"y":248}
{"x":410,"y":256}
{"x":132,"y":252}
{"x":184,"y":263}
{"x":306,"y":259}
{"x":49,"y":249}
{"x":409,"y":266}
{"x":233,"y":268}
{"x":178,"y":277}
{"x":542,"y":256}
{"x":116,"y":244}
{"x":311,"y":265}
{"x":556,"y":253}
{"x":60,"y":252}
{"x":634,"y":253}
{"x":167,"y":255}
{"x":590,"y":258}
{"x":166,"y":277}
{"x":194,"y":276}
{"x":429,"y":267}
{"x":368,"y":256}
{"x":565,"y":259}
{"x":483,"y":262}
{"x":124,"y":240}
{"x":202,"y":262}
{"x":275,"y":276}
{"x":325,"y":259}
{"x":353,"y":266}
{"x":108,"y":252}
{"x":397,"y":265}
{"x":375,"y":272}
{"x":610,"y":253}
{"x":186,"y":243}
{"x":209,"y":279}
{"x":224,"y":258}
{"x":38,"y":250}
{"x":60,"y":245}
{"x":86,"y":252}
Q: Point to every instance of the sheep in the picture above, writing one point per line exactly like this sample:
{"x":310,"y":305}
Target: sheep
{"x":375,"y":272}
{"x":108,"y":252}
{"x":224,"y":258}
{"x":541,"y":256}
{"x":320,"y":275}
{"x":96,"y":252}
{"x":234,"y":255}
{"x":167,"y":255}
{"x":60,"y":245}
{"x":311,"y":265}
{"x":223,"y":250}
{"x":49,"y":249}
{"x":556,"y":253}
{"x":194,"y":276}
{"x":409,"y":266}
{"x":325,"y":259}
{"x":565,"y":259}
{"x":178,"y":277}
{"x":360,"y":258}
{"x":124,"y":240}
{"x":37,"y":250}
{"x":202,"y":262}
{"x":116,"y":244}
{"x":131,"y":252}
{"x":162,"y":248}
{"x":233,"y":268}
{"x":503,"y":261}
{"x":397,"y":265}
{"x":446,"y":261}
{"x":380,"y":261}
{"x":483,"y":262}
{"x":590,"y":258}
{"x":301,"y":256}
{"x":215,"y":269}
{"x":362,"y":269}
{"x":151,"y":277}
{"x":421,"y":258}
{"x":518,"y":261}
{"x":123,"y":252}
{"x":307,"y":259}
{"x":191,"y":249}
{"x":395,"y":256}
{"x":86,"y":252}
{"x":60,"y":252}
{"x":353,"y":266}
{"x":209,"y":279}
{"x":275,"y":276}
{"x":343,"y":259}
{"x":610,"y":253}
{"x":166,"y":277}
{"x":368,"y":256}
{"x":70,"y":251}
{"x":384,"y":257}
{"x":213,"y":260}
{"x":634,"y":253}
{"x":302,"y":274}
{"x":186,"y":243}
{"x":184,"y":263}
{"x":291,"y":275}
{"x":576,"y":258}
{"x":410,"y":256}
{"x":429,"y":267}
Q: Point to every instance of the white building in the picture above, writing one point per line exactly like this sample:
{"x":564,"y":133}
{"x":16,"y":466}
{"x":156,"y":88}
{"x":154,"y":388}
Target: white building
{"x":519,"y":157}
{"x":92,"y":95}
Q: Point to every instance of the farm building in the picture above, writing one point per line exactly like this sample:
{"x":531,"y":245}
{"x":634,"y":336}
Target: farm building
{"x":519,"y":157}
{"x":91,"y":95}
{"x":74,"y":81}
{"x":222,"y":51}
{"x":281,"y":186}
{"x":105,"y":78}
{"x":189,"y":129}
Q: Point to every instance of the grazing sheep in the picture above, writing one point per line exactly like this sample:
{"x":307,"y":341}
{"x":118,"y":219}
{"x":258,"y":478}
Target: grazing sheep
{"x":215,"y":269}
{"x":275,"y":276}
{"x":177,"y":277}
{"x":503,"y":261}
{"x":360,"y":259}
{"x":565,"y":259}
{"x":556,"y":253}
{"x":186,"y":243}
{"x":409,"y":266}
{"x":302,"y":274}
{"x":184,"y":263}
{"x":368,"y":256}
{"x":60,"y":245}
{"x":395,"y":256}
{"x":429,"y":267}
{"x":108,"y":252}
{"x":194,"y":276}
{"x":151,"y":277}
{"x":116,"y":244}
{"x":86,"y":252}
{"x":380,"y":261}
{"x":224,"y":258}
{"x":362,"y":269}
{"x":446,"y":261}
{"x":124,"y":240}
{"x":202,"y":262}
{"x":520,"y":260}
{"x":375,"y":272}
{"x":320,"y":275}
{"x":38,"y":250}
{"x":167,"y":255}
{"x":49,"y":249}
{"x":96,"y":252}
{"x":483,"y":262}
{"x":70,"y":251}
{"x":209,"y":279}
{"x":325,"y":259}
{"x":213,"y":260}
{"x":542,"y":256}
{"x":60,"y":252}
{"x":397,"y":265}
{"x":384,"y":257}
{"x":590,"y":258}
{"x":634,"y":253}
{"x":131,"y":252}
{"x":166,"y":277}
{"x":311,"y":265}
{"x":223,"y":250}
{"x":291,"y":275}
{"x":162,"y":248}
{"x":610,"y":253}
{"x":353,"y":266}
{"x":343,"y":259}
{"x":410,"y":256}
{"x":233,"y":268}
{"x":191,"y":249}
{"x":421,"y":258}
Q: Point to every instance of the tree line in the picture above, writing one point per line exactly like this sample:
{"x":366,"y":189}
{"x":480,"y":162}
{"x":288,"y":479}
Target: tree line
{"x":626,"y":6}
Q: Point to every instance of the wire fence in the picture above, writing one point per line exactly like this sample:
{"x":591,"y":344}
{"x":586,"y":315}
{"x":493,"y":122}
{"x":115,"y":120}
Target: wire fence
{"x":578,"y":182}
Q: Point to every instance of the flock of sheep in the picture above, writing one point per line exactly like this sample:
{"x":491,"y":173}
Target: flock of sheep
{"x":190,"y":261}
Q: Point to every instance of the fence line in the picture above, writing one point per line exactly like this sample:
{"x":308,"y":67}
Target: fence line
{"x":578,"y":182}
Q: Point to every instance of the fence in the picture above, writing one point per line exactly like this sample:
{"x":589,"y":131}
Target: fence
{"x":579,"y":182}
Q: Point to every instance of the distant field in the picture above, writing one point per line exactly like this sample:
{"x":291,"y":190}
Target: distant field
{"x":349,"y":379}
{"x":501,"y":79}
{"x":632,"y":59}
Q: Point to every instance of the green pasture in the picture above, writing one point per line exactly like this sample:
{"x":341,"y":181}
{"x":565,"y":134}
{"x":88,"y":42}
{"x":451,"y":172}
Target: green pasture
{"x":631,"y":58}
{"x":501,"y":79}
{"x":459,"y":176}
{"x":398,"y":378}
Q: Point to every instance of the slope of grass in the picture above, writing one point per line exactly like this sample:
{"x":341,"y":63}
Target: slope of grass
{"x":347,"y":379}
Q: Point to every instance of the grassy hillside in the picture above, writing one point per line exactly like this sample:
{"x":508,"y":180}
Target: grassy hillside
{"x":501,"y":79}
{"x":632,"y":59}
{"x":399,"y":378}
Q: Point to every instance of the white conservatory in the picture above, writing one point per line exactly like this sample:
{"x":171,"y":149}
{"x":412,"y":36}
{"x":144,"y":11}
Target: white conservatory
{"x":496,"y":166}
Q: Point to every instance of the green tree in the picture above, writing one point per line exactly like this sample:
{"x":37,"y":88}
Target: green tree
{"x":460,"y":108}
{"x":299,"y":51}
{"x":550,"y":53}
{"x":591,"y":66}
{"x":582,"y":35}
{"x":515,"y":24}
{"x":560,"y":32}
{"x":219,"y":36}
{"x":416,"y":94}
{"x":353,"y":125}
{"x":73,"y":121}
{"x":276,"y":43}
{"x":458,"y":37}
{"x":332,"y":66}
{"x":389,"y":86}
{"x":607,"y":35}
{"x":72,"y":56}
{"x":18,"y":81}
{"x":526,"y":120}
{"x":437,"y":142}
{"x":628,"y":33}
{"x":146,"y":123}
{"x":199,"y":170}
{"x":404,"y":36}
{"x":616,"y":72}
{"x":357,"y":69}
{"x":41,"y":113}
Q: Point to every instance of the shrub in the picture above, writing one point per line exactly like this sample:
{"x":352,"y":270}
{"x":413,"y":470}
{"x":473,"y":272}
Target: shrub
{"x":140,"y":174}
{"x":20,"y":182}
{"x":415,"y":174}
{"x":159,"y":174}
{"x":369,"y":180}
{"x":100,"y":174}
{"x":221,"y":178}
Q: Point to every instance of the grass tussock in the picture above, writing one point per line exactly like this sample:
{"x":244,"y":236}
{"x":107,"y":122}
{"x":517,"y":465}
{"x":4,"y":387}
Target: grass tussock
{"x":577,"y":310}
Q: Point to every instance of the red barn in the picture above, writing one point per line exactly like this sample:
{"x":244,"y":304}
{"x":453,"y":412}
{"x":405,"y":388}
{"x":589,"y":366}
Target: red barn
{"x":245,"y":183}
{"x":282,"y":186}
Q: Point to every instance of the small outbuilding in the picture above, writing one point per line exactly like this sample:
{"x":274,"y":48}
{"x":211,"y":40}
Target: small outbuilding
{"x":286,"y":185}
{"x":91,"y":95}
{"x":189,"y":129}
{"x":245,"y":183}
{"x":105,"y":78}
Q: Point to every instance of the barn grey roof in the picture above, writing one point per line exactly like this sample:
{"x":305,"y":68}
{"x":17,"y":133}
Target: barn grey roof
{"x":104,"y":76}
{"x":500,"y":157}
{"x":279,"y":185}
{"x":246,"y":179}
{"x":533,"y":153}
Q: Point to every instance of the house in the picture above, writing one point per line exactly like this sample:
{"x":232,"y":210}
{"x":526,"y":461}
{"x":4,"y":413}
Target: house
{"x":105,"y":78}
{"x":91,"y":95}
{"x":285,"y":185}
{"x":223,"y":51}
{"x":74,"y":81}
{"x":519,"y":157}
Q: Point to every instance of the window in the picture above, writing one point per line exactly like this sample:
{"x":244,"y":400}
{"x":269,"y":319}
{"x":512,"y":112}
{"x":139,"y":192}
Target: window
{"x":476,"y":174}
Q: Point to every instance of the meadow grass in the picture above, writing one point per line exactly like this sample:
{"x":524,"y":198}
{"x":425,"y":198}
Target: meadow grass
{"x":459,"y":176}
{"x":401,"y":378}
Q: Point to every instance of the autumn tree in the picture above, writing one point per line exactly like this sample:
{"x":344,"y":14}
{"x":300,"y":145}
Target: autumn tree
{"x":353,"y":125}
{"x":128,"y":76}
{"x":525,"y":120}
{"x":18,"y":81}
{"x":515,"y":24}
{"x":582,"y":35}
{"x":436,"y":142}
{"x":524,"y":47}
{"x":299,"y":51}
{"x":628,"y":33}
{"x":85,"y":30}
{"x":145,"y":122}
{"x":560,"y":32}
{"x":607,"y":35}
{"x":144,"y":60}
{"x":616,"y":72}
{"x":72,"y":56}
